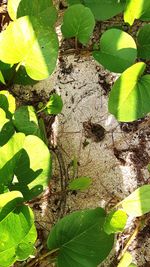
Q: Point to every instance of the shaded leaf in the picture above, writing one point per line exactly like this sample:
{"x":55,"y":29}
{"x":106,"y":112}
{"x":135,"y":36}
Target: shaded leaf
{"x":115,"y":222}
{"x":78,"y":22}
{"x":130,"y":95}
{"x":80,"y":239}
{"x":80,"y":183}
{"x":25,"y":120}
{"x":117,"y":50}
{"x":54,"y":105}
{"x":143,"y":39}
{"x":103,"y":9}
{"x":137,"y":203}
{"x":6,"y":128}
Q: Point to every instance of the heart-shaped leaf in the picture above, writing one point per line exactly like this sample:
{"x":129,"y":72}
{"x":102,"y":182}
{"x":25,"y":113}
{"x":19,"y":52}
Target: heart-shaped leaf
{"x":137,"y":203}
{"x":80,"y":239}
{"x":130,"y":95}
{"x":80,"y":183}
{"x":25,"y":120}
{"x":143,"y":39}
{"x":103,"y":9}
{"x":39,"y":47}
{"x":136,"y":9}
{"x":115,"y":222}
{"x":117,"y":50}
{"x":78,"y":22}
{"x":16,"y":227}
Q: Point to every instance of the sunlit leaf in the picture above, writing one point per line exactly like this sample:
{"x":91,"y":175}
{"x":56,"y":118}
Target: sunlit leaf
{"x":126,"y":260}
{"x":136,"y":9}
{"x":130,"y":95}
{"x":39,"y":47}
{"x":16,"y":227}
{"x":7,"y":103}
{"x":117,"y":50}
{"x":137,"y":203}
{"x":115,"y":222}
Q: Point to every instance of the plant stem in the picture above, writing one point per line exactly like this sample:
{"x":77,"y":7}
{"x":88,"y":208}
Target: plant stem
{"x":131,"y":238}
{"x":44,"y":256}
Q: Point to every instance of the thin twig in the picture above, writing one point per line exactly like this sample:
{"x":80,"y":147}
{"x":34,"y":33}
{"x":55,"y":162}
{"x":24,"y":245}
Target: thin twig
{"x":132,"y":237}
{"x":44,"y":256}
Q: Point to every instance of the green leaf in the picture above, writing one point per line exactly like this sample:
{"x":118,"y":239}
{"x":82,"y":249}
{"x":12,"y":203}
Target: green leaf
{"x":143,"y":39}
{"x":136,"y":9}
{"x":126,"y":260}
{"x":80,"y":183}
{"x":103,"y":9}
{"x":115,"y":222}
{"x":8,"y":197}
{"x":148,"y":167}
{"x":74,"y":2}
{"x":38,"y":53}
{"x":117,"y":50}
{"x":54,"y":105}
{"x":22,"y":78}
{"x":16,"y":227}
{"x":137,"y":203}
{"x":9,"y":158}
{"x":130,"y":95}
{"x":78,"y":22}
{"x":7,"y":103}
{"x":24,"y":250}
{"x":20,"y":8}
{"x":6,"y":128}
{"x":25,"y":120}
{"x":33,"y":171}
{"x":80,"y":239}
{"x":2,"y":79}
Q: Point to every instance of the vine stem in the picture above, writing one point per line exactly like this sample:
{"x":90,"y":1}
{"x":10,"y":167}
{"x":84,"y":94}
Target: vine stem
{"x":131,"y":238}
{"x":44,"y":256}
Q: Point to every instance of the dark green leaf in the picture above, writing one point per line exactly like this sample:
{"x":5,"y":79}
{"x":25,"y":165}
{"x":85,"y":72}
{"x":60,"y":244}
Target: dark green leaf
{"x":117,"y":50}
{"x":78,"y":22}
{"x":143,"y":39}
{"x":6,"y":128}
{"x":103,"y":9}
{"x":80,"y":239}
{"x":25,"y":120}
{"x":54,"y":105}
